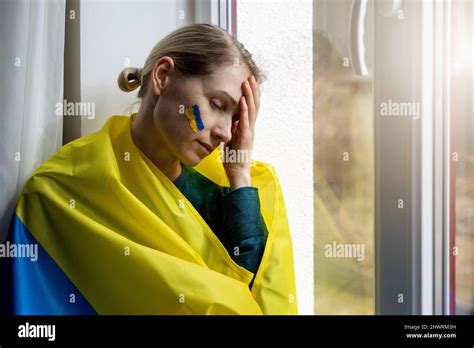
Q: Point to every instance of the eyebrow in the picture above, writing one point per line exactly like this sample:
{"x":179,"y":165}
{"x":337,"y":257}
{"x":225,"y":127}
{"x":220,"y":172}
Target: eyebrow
{"x":227,"y":95}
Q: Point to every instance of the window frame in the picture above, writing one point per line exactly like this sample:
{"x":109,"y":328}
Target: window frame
{"x":218,"y":12}
{"x":418,"y":264}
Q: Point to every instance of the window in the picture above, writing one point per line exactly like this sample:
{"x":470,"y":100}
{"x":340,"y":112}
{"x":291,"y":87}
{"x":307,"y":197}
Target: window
{"x":393,"y":156}
{"x":462,"y":155}
{"x":343,"y":161}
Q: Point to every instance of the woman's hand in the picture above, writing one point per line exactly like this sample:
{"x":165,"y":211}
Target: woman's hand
{"x":243,"y":131}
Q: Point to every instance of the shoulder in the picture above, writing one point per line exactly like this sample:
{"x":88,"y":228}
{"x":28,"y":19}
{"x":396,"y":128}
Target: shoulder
{"x":78,"y":160}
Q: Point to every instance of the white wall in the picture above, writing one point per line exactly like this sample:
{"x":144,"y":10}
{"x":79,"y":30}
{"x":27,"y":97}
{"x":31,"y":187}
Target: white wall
{"x":112,"y":34}
{"x":279,"y":34}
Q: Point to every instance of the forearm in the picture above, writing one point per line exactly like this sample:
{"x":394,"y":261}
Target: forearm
{"x":244,"y":227}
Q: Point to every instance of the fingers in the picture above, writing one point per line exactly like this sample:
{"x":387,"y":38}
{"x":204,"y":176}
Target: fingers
{"x":256,"y":91}
{"x":244,"y":113}
{"x":252,"y":95}
{"x":234,"y":126}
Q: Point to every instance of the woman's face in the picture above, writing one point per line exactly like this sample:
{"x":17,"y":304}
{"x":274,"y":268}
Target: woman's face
{"x":217,"y":98}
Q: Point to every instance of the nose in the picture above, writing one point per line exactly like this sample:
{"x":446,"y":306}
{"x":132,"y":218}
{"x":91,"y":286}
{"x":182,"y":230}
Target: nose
{"x":222,"y":131}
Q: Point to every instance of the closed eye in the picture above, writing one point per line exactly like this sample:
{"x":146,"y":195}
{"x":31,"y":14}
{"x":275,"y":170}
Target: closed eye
{"x":217,"y":105}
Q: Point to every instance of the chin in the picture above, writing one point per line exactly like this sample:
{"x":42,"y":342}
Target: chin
{"x":191,"y":160}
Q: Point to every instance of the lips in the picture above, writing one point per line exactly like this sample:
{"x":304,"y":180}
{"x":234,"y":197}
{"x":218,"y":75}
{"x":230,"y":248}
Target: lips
{"x":207,"y":147}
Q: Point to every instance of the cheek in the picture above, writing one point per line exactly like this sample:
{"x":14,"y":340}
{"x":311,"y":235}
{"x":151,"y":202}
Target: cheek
{"x":169,"y":114}
{"x":171,"y":125}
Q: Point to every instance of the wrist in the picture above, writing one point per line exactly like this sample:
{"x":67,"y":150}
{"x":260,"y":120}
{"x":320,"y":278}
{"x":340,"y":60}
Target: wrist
{"x":240,"y":181}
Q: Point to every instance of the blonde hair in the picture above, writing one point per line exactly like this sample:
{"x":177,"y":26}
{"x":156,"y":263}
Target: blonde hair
{"x":197,"y":50}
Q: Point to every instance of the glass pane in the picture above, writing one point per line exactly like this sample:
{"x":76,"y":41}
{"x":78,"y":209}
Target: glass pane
{"x":462,"y":143}
{"x":343,"y":162}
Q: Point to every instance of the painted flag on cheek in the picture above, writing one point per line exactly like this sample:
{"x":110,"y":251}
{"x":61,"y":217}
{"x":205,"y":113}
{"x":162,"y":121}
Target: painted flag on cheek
{"x":194,"y":118}
{"x":116,"y":236}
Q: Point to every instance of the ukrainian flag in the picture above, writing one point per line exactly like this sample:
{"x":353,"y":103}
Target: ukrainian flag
{"x":115,"y":236}
{"x":194,"y":117}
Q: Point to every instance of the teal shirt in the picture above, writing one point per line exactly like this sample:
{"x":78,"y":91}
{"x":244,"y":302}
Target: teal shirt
{"x":234,"y":216}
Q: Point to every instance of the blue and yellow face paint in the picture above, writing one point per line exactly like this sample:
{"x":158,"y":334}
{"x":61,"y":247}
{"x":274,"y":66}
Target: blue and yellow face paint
{"x":194,"y":117}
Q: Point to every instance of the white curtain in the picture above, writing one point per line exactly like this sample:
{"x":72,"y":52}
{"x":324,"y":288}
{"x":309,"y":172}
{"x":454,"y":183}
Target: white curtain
{"x":32,"y":61}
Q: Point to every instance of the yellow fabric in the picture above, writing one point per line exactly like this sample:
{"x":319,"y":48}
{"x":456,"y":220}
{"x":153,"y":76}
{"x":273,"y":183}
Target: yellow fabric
{"x":133,"y":244}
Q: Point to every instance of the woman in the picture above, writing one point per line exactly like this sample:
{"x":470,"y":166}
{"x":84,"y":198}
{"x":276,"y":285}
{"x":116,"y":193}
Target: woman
{"x":142,"y":217}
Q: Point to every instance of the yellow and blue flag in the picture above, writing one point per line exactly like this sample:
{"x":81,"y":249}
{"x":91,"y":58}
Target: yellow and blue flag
{"x":115,"y":236}
{"x":194,"y":118}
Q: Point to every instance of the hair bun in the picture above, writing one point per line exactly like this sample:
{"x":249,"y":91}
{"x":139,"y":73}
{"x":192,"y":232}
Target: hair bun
{"x":129,"y":79}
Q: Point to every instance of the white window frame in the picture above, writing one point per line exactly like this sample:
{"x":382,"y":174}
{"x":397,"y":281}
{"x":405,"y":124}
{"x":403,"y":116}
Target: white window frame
{"x":415,"y":263}
{"x":216,"y":12}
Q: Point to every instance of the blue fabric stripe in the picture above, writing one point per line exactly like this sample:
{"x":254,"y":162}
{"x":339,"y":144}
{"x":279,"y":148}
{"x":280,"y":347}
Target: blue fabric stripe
{"x":36,"y":287}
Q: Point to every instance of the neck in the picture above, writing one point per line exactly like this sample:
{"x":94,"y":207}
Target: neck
{"x":148,"y":140}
